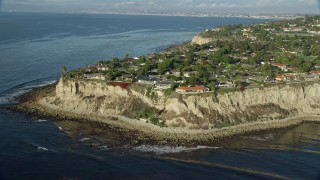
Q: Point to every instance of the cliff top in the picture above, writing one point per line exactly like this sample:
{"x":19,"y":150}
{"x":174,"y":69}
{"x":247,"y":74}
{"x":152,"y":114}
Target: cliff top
{"x":228,"y":58}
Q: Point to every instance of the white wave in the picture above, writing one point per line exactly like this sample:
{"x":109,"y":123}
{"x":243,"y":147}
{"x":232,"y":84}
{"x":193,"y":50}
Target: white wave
{"x":169,"y":149}
{"x":265,"y":137}
{"x":42,"y":148}
{"x":12,"y":97}
{"x":41,"y":120}
{"x":105,"y":147}
{"x":44,"y":83}
{"x":84,"y":139}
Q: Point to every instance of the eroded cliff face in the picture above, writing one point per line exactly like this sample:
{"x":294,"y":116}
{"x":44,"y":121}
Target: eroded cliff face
{"x":202,"y":111}
{"x":93,"y":97}
{"x":200,"y":40}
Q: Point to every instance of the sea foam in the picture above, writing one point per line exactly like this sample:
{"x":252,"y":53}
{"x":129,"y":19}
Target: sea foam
{"x":169,"y":149}
{"x":265,"y":137}
{"x":11,"y":95}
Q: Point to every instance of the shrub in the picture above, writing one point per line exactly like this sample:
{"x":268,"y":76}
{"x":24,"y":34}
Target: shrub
{"x":157,"y":122}
{"x":147,"y":112}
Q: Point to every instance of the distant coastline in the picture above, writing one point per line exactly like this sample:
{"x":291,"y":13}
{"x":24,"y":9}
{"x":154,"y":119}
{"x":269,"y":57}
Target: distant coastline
{"x":217,"y":15}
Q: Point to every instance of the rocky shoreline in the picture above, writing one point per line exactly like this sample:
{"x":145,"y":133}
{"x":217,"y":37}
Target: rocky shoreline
{"x":116,"y":131}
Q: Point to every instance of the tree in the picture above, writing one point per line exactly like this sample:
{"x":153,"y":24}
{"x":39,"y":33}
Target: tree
{"x":190,"y":58}
{"x":63,"y":70}
{"x":306,"y":67}
{"x":268,"y":70}
{"x":297,"y":62}
{"x":212,"y":87}
{"x":193,"y":80}
{"x":165,"y":66}
{"x":142,"y":59}
{"x":115,"y":62}
{"x":227,"y":59}
{"x":146,"y":67}
{"x":306,"y":52}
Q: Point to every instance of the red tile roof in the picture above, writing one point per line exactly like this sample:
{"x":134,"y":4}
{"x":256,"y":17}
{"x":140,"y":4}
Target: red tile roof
{"x":280,"y":76}
{"x":315,"y":72}
{"x":123,"y":85}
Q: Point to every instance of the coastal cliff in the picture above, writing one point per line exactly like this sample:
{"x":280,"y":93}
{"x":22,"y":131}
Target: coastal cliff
{"x":197,"y":111}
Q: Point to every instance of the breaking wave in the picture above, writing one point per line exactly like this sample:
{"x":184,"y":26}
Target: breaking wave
{"x":265,"y":137}
{"x":11,"y":95}
{"x":169,"y":149}
{"x":40,"y":120}
{"x":42,"y":148}
{"x":84,"y":139}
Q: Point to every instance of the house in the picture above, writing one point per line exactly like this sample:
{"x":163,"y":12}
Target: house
{"x":204,"y":62}
{"x":214,"y":49}
{"x":292,"y":68}
{"x":147,"y":80}
{"x":128,"y":60}
{"x":134,"y":67}
{"x":257,"y":78}
{"x":315,"y":72}
{"x":97,"y":76}
{"x":126,"y":78}
{"x":91,"y":69}
{"x":225,"y":85}
{"x":281,"y":77}
{"x":192,"y":89}
{"x":163,"y":85}
{"x":176,"y":73}
{"x":189,"y":74}
{"x":270,"y":80}
{"x":310,"y":77}
{"x":283,"y":67}
{"x":293,"y":29}
{"x":102,"y":68}
{"x":291,"y":77}
{"x":287,"y":77}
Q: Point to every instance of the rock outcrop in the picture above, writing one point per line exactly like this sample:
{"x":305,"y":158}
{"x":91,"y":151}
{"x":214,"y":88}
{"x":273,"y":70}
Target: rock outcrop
{"x":201,"y":111}
{"x":200,"y":40}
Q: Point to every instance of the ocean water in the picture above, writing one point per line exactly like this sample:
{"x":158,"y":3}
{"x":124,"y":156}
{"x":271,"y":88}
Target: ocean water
{"x":34,"y":46}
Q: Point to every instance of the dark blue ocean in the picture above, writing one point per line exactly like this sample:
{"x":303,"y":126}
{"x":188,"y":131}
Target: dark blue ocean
{"x":34,"y":46}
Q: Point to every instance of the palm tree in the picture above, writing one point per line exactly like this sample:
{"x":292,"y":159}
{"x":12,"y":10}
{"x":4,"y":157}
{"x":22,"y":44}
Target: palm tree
{"x":63,"y":70}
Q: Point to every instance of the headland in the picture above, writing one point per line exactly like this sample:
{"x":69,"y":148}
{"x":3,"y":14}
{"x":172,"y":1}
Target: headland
{"x":228,"y":81}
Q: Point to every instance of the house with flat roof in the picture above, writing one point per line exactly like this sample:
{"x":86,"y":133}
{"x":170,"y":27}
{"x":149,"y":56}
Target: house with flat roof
{"x":97,"y":76}
{"x":192,"y":89}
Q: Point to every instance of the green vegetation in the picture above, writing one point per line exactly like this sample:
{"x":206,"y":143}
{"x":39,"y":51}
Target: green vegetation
{"x":151,"y":114}
{"x":148,"y":112}
{"x":157,"y":122}
{"x":63,"y":70}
